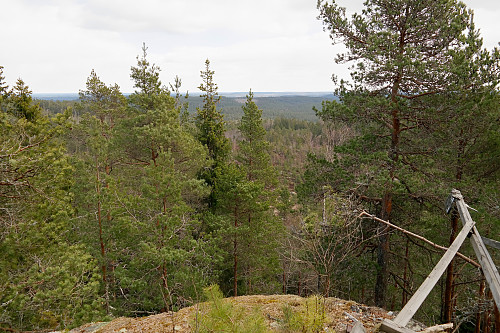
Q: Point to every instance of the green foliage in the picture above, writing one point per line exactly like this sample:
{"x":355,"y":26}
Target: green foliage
{"x":248,"y":231}
{"x":55,"y":106}
{"x":403,"y":96}
{"x":103,"y":102}
{"x":20,"y":102}
{"x":287,"y":107}
{"x":219,"y":315}
{"x":95,"y":154}
{"x":46,"y":281}
{"x":138,"y":170}
{"x":310,"y":318}
{"x":247,"y":228}
{"x":254,"y":149}
{"x":121,"y":223}
{"x":390,"y":84}
{"x":210,"y":121}
{"x":163,"y":216}
{"x":146,"y":77}
{"x":416,"y":85}
{"x":3,"y":86}
{"x":52,"y":281}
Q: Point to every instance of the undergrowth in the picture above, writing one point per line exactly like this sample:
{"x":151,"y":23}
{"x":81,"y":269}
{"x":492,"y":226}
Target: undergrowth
{"x":219,"y":315}
{"x":310,"y":318}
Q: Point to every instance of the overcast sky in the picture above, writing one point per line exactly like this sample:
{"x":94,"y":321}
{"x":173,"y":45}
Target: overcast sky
{"x":265,"y":45}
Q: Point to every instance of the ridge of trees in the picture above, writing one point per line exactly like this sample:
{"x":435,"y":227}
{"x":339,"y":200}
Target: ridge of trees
{"x":293,"y":107}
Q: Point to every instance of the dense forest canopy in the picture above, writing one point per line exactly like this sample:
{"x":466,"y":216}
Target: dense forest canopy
{"x":117,"y":205}
{"x":289,"y":106}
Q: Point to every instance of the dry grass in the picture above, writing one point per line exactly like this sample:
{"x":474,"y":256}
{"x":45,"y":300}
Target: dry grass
{"x":271,"y":307}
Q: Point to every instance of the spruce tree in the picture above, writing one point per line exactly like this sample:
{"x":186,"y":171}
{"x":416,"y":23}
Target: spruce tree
{"x":244,"y":193}
{"x":254,"y":149}
{"x":211,"y":126}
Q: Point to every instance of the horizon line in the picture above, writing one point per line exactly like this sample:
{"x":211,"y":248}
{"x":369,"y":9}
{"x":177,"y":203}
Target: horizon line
{"x":230,"y":94}
{"x":222,"y":92}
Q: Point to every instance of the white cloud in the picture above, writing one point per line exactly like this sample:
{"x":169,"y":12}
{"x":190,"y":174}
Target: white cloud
{"x":486,"y":14}
{"x":51,"y":54}
{"x":244,"y":40}
{"x":270,"y":64}
{"x":264,"y":45}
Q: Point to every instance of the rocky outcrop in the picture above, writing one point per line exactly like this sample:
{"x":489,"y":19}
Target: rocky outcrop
{"x":340,"y":316}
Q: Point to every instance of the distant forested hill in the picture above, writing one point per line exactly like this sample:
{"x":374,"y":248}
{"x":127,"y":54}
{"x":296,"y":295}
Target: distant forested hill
{"x":288,"y":106}
{"x":297,"y":107}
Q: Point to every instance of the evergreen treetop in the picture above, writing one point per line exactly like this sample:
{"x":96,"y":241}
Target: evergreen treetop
{"x":146,"y":77}
{"x":254,"y":148}
{"x":209,"y":120}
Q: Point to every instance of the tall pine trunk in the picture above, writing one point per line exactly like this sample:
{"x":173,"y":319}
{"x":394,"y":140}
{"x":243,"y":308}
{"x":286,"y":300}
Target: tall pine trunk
{"x":383,"y":235}
{"x":235,"y":254}
{"x":101,"y":238}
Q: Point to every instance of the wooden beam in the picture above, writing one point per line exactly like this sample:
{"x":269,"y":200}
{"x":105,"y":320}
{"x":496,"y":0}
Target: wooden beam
{"x":491,"y":242}
{"x":488,"y":266}
{"x":425,"y":288}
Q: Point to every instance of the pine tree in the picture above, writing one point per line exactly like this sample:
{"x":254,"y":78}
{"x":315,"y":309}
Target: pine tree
{"x":146,"y":79}
{"x":158,"y":196}
{"x":46,"y":279}
{"x":403,"y":53}
{"x":465,"y":134}
{"x":96,"y":160}
{"x":3,"y":86}
{"x":20,"y":102}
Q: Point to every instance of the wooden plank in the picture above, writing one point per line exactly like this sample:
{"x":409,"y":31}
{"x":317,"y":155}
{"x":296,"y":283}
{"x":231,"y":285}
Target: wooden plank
{"x":391,"y":327}
{"x":491,"y":242}
{"x":490,"y":271}
{"x":488,"y":266}
{"x":425,"y":288}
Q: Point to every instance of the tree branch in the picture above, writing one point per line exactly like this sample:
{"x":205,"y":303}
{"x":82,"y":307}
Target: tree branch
{"x":469,"y":260}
